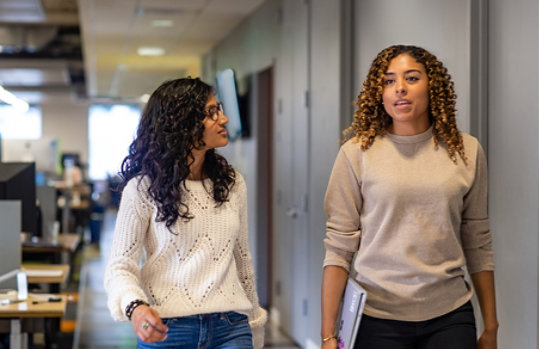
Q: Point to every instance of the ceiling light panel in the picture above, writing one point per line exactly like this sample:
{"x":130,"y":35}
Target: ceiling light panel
{"x":162,"y":23}
{"x":150,"y":51}
{"x":145,"y":27}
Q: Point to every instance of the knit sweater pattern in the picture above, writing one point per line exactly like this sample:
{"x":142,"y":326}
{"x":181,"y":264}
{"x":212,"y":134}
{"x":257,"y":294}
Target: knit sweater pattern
{"x":416,"y":220}
{"x":199,"y":266}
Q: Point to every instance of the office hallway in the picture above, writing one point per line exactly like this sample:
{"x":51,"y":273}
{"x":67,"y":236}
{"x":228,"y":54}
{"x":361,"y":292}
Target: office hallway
{"x":95,"y":328}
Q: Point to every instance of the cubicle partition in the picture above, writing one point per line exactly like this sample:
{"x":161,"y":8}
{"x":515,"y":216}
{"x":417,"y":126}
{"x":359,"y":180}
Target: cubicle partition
{"x":10,"y":236}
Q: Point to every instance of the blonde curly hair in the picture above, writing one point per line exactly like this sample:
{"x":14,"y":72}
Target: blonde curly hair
{"x":371,"y":118}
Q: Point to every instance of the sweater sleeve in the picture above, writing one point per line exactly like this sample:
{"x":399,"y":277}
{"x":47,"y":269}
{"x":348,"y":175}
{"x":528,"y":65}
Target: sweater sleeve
{"x":343,"y":204}
{"x":475,"y":232}
{"x":257,"y":315}
{"x":122,"y":273}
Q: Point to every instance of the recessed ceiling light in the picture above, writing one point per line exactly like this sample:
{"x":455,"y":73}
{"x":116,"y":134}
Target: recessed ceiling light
{"x":150,"y":51}
{"x":162,"y":23}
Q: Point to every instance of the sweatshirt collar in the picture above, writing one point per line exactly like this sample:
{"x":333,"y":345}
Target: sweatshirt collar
{"x":421,"y":137}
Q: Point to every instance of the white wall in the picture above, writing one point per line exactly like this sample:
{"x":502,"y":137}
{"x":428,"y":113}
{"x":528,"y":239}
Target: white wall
{"x":67,"y":121}
{"x":514,"y":166}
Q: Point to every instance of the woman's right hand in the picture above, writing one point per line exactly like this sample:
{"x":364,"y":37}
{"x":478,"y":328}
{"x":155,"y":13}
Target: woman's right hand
{"x":148,"y":325}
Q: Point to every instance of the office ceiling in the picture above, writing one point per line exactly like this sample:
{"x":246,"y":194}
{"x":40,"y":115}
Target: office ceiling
{"x":89,"y":49}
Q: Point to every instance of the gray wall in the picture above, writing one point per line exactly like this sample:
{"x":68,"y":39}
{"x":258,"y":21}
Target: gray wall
{"x":330,"y":101}
{"x":514,"y":166}
{"x":442,"y":27}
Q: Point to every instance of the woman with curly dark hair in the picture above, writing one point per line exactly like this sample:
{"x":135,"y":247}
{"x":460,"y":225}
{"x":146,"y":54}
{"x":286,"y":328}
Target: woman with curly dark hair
{"x":184,"y":210}
{"x":408,"y":193}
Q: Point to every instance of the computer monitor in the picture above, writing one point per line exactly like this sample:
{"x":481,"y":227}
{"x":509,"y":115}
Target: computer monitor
{"x":18,"y":182}
{"x":45,"y":152}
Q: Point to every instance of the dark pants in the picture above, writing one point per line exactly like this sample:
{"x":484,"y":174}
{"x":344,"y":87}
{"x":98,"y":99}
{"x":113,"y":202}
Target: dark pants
{"x":455,"y":330}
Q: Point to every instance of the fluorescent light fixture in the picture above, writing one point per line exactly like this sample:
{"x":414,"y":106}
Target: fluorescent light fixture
{"x":150,"y":51}
{"x":11,"y":99}
{"x":163,"y":23}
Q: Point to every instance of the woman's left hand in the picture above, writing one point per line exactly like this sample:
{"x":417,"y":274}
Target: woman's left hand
{"x":148,"y":325}
{"x":488,"y":340}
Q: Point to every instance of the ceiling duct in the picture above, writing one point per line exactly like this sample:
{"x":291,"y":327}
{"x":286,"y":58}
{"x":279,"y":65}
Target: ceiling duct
{"x":23,"y":38}
{"x":41,"y":49}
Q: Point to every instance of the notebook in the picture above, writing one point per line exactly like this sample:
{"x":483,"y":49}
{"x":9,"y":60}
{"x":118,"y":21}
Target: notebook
{"x":351,"y":311}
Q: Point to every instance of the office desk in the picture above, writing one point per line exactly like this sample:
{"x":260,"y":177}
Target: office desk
{"x":67,"y":242}
{"x":53,"y":280}
{"x":23,"y":310}
{"x":76,"y":198}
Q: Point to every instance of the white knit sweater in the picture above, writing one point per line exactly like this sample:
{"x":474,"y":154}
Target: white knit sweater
{"x":203,"y":266}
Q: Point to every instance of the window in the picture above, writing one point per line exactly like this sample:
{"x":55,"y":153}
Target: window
{"x":111,"y":130}
{"x":15,"y":124}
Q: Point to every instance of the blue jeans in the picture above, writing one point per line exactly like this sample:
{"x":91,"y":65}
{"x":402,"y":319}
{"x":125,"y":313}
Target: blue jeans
{"x":455,"y":330}
{"x":228,"y":330}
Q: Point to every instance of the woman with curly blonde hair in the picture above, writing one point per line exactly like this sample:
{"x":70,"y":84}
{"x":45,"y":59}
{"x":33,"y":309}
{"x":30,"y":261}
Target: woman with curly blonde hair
{"x":408,"y":193}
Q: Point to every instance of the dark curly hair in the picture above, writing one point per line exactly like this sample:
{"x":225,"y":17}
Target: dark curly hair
{"x":371,"y":118}
{"x":170,"y":128}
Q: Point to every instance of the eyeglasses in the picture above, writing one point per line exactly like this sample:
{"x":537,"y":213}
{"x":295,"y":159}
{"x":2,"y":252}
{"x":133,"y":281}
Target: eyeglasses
{"x":213,"y":111}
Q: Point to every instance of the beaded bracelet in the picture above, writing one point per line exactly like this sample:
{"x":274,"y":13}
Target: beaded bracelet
{"x":131,"y":307}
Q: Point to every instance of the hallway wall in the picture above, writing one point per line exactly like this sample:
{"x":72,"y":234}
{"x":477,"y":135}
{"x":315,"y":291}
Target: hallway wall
{"x":442,"y":27}
{"x":330,"y":55}
{"x":513,"y":131}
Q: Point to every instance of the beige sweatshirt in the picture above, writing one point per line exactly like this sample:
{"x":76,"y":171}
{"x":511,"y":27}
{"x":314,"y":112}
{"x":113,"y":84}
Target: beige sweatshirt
{"x":414,"y":218}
